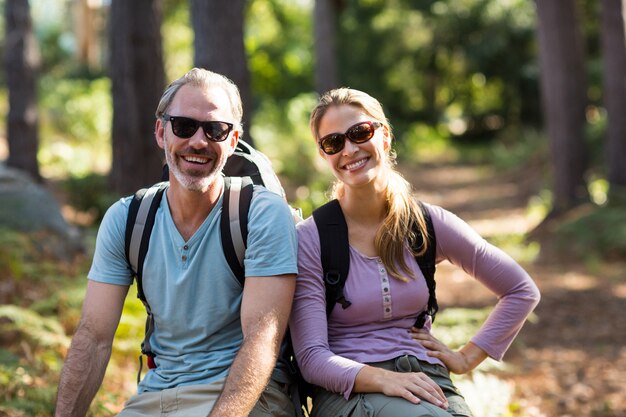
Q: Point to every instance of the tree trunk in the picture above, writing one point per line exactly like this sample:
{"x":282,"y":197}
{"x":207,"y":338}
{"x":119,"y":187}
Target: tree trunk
{"x":325,"y":27}
{"x":87,"y":26}
{"x":138,"y":79}
{"x":563,"y":88}
{"x":219,"y":46}
{"x":614,"y":57}
{"x":21,"y":63}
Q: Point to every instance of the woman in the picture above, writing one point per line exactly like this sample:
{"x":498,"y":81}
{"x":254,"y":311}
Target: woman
{"x":367,"y":358}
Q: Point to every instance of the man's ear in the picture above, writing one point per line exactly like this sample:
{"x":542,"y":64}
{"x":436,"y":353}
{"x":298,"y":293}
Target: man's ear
{"x":159,"y":132}
{"x":234,"y":139}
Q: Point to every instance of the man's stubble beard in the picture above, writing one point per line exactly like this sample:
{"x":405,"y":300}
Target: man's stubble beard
{"x":190,"y":182}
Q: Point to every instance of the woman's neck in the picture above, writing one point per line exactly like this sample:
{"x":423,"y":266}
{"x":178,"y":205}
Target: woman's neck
{"x":365,"y":205}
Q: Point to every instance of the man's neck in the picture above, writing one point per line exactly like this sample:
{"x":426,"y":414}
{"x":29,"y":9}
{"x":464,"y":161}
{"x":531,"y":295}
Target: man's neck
{"x":189,"y":209}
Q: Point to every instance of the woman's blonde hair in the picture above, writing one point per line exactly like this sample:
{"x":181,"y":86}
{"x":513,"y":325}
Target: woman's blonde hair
{"x":402,"y":209}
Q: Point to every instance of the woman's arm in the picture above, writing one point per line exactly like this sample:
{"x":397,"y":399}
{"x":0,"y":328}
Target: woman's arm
{"x":308,"y":324}
{"x":517,"y":293}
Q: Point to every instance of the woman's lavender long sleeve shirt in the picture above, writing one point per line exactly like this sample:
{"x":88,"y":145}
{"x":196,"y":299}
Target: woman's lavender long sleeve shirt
{"x":376,"y":326}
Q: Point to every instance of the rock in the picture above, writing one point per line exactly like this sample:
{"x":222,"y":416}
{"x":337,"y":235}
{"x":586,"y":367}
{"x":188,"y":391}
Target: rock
{"x":27,"y":207}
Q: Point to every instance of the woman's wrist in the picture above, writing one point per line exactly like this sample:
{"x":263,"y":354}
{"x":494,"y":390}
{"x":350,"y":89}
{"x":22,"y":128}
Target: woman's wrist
{"x":370,"y":379}
{"x":472,"y":356}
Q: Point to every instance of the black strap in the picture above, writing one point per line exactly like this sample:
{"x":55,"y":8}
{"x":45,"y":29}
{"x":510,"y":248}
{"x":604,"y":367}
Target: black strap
{"x":139,"y":223}
{"x":427,"y":263}
{"x":334,"y":252}
{"x":335,"y":257}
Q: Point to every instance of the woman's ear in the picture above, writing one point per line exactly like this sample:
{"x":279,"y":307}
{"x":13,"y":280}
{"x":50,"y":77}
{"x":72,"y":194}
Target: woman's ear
{"x":386,"y":138}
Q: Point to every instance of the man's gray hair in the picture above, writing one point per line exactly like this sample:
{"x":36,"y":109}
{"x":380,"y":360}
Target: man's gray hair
{"x":201,"y":77}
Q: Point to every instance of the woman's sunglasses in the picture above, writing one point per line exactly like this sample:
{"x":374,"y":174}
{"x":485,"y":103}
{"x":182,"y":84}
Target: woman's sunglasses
{"x":358,"y":133}
{"x":184,"y":128}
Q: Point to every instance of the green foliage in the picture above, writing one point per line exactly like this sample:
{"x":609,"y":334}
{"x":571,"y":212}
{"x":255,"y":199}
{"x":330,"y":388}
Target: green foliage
{"x":130,"y":331}
{"x":13,"y":255}
{"x":24,"y":378}
{"x":4,"y":107}
{"x":595,"y":136}
{"x":90,"y":194}
{"x":517,"y":246}
{"x":76,"y":119}
{"x":44,"y":302}
{"x":513,"y":148}
{"x":45,"y":332}
{"x":594,"y":232}
{"x":519,"y":147}
{"x":444,"y":62}
{"x":177,"y":39}
{"x":455,"y":326}
{"x":279,"y":45}
{"x":422,"y":142}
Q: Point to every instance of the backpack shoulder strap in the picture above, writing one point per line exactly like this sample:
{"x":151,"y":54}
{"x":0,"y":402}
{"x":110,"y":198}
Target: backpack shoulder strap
{"x":427,"y":264}
{"x":334,"y":252}
{"x":139,"y":224}
{"x":234,"y":222}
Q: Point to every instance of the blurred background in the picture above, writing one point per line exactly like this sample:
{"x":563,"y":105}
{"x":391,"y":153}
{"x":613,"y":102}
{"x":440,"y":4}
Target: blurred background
{"x":509,"y":113}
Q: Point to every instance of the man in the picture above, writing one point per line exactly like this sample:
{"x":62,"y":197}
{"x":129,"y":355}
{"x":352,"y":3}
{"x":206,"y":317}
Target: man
{"x":215,"y":344}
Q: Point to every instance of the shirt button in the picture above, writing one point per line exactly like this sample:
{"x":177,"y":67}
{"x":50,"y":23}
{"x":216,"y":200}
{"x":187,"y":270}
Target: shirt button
{"x":186,"y":247}
{"x":387,"y":310}
{"x":184,"y":258}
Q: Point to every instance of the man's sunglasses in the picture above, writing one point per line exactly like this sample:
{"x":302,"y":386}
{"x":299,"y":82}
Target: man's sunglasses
{"x":358,"y":133}
{"x":184,"y":128}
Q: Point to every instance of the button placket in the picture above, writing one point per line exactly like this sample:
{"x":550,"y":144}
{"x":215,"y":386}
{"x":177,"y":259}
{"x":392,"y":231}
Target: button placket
{"x":184,"y":254}
{"x":386,"y":290}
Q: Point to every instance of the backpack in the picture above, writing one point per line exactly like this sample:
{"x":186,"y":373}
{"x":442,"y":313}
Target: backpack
{"x":335,"y":259}
{"x":245,"y":168}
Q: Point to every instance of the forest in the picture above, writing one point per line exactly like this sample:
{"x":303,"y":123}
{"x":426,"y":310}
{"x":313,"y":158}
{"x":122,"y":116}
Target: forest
{"x":509,"y":113}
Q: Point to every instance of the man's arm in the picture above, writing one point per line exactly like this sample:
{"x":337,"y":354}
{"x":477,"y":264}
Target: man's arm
{"x":90,"y":350}
{"x":264,"y":315}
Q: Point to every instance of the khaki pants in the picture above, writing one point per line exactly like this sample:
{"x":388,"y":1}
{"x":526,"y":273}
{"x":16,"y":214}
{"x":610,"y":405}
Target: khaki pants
{"x":198,"y":401}
{"x":328,"y":404}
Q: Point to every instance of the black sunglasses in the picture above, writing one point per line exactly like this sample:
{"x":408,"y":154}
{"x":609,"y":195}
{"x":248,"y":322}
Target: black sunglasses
{"x":358,"y":133}
{"x":184,"y":128}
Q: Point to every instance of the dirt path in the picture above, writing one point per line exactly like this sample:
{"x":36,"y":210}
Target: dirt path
{"x":571,"y":360}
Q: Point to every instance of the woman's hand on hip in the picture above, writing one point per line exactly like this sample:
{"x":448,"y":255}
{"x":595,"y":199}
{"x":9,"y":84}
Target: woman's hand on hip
{"x":458,"y":362}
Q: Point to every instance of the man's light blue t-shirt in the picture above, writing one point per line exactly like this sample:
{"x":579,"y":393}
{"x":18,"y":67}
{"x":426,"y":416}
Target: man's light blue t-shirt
{"x":194,"y":296}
